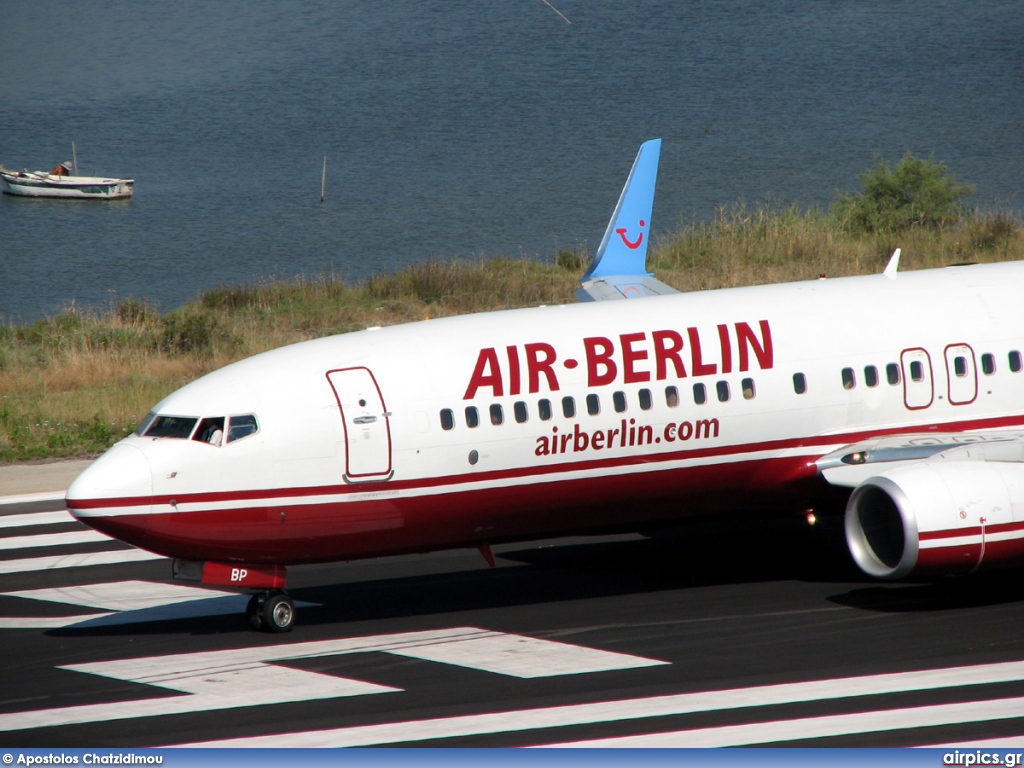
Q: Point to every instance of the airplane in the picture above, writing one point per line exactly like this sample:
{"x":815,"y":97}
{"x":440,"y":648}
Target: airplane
{"x":635,"y":408}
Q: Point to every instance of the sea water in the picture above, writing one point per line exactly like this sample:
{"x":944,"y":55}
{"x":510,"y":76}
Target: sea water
{"x":463,"y":129}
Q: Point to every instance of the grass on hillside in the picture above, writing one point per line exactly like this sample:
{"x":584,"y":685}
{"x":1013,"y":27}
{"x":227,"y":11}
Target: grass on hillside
{"x":74,"y":383}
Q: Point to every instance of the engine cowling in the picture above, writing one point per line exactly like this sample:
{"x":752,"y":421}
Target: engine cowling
{"x":938,"y":518}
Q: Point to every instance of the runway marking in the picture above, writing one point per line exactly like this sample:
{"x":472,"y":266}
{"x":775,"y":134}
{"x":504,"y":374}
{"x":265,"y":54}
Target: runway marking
{"x":247,"y":677}
{"x":130,"y":602}
{"x":525,"y":657}
{"x":636,"y":709}
{"x":53,"y":539}
{"x":26,"y":498}
{"x":121,"y":595}
{"x":123,"y":554}
{"x":49,"y":622}
{"x":819,"y":727}
{"x":80,"y":560}
{"x":36,"y":518}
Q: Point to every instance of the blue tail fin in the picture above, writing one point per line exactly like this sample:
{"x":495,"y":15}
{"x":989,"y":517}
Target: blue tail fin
{"x":619,"y":268}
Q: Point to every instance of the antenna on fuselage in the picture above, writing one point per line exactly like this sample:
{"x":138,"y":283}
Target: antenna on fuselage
{"x":893,"y":265}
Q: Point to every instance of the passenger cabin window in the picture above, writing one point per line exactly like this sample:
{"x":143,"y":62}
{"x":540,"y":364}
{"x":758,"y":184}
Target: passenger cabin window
{"x":179,"y":427}
{"x":700,"y":394}
{"x":748,"y":389}
{"x":799,"y":383}
{"x":619,"y":401}
{"x":497,"y":415}
{"x":672,"y":397}
{"x":988,"y":364}
{"x":472,"y":417}
{"x":447,"y":419}
{"x":646,"y":400}
{"x":520,"y":411}
{"x":892,"y":374}
{"x":593,"y":405}
{"x":849,"y":378}
{"x":568,"y":407}
{"x":871,"y":376}
{"x":544,"y":409}
{"x":723,"y":391}
{"x":1015,"y":361}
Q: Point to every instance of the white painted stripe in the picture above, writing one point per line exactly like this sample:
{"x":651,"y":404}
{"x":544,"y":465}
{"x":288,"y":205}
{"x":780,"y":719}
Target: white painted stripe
{"x":455,"y":487}
{"x":1004,"y":742}
{"x":241,"y":674}
{"x":28,"y":498}
{"x":76,"y":561}
{"x":122,"y":595}
{"x":819,"y":727}
{"x":53,"y":540}
{"x":635,"y":709}
{"x":253,"y":686}
{"x":49,"y":622}
{"x":35,"y":518}
{"x":135,"y":601}
{"x":525,"y":657}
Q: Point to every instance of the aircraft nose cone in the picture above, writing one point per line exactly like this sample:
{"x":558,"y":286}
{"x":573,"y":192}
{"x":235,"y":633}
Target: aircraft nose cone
{"x":122,"y":472}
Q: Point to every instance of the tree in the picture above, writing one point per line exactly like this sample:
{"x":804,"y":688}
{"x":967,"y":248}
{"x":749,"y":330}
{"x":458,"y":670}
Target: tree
{"x":915,"y":193}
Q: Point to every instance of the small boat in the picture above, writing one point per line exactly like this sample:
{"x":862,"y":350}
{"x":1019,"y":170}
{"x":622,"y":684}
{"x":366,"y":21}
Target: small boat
{"x":60,"y":183}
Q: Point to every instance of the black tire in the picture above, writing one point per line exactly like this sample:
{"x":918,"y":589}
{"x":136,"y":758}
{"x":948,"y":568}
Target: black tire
{"x":254,"y":613}
{"x":278,"y":613}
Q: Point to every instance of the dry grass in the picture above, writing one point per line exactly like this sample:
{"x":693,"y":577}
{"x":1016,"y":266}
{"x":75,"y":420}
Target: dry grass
{"x":73,"y":384}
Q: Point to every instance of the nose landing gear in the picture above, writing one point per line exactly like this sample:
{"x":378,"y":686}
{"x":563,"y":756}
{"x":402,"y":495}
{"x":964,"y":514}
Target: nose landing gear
{"x":271,"y":611}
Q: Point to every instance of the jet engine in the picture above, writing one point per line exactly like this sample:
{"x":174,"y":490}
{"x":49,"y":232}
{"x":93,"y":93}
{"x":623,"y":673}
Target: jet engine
{"x":945,"y":516}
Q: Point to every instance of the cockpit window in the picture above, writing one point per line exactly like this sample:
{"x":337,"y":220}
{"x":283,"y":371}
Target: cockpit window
{"x":242,"y":426}
{"x":171,"y":426}
{"x":141,"y":429}
{"x":210,"y":431}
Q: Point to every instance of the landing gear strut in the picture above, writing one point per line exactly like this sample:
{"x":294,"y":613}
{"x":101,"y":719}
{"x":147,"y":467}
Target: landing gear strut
{"x":271,"y":611}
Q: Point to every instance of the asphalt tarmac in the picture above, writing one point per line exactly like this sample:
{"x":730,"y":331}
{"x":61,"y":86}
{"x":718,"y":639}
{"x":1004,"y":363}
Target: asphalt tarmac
{"x":725,"y":633}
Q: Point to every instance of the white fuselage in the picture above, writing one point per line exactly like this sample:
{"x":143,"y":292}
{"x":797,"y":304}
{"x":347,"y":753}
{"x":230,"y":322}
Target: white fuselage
{"x":682,"y":403}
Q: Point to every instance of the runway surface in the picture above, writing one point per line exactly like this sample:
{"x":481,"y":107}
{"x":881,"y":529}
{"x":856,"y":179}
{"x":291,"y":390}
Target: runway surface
{"x":740,"y":633}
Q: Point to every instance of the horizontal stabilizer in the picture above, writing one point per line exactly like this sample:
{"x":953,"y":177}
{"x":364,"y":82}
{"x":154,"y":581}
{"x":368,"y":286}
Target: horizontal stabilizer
{"x":621,"y":287}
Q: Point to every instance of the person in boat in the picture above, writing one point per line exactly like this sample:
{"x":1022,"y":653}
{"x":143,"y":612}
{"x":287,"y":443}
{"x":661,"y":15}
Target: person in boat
{"x":64,"y":169}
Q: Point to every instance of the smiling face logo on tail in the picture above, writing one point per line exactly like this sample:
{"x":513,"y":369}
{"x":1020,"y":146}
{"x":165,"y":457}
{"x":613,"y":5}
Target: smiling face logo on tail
{"x":623,"y":249}
{"x":632,"y":245}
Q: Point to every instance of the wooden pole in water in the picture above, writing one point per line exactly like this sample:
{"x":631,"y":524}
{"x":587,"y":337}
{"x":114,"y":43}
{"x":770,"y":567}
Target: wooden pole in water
{"x":74,"y":158}
{"x":323,"y":180}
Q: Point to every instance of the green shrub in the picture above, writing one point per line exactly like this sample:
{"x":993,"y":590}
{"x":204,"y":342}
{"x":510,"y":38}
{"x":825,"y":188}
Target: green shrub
{"x":915,"y":193}
{"x":191,"y":332}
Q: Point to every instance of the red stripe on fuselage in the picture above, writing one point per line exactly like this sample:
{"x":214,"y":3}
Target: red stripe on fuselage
{"x":307,"y":533}
{"x":295,"y":532}
{"x":539,"y":472}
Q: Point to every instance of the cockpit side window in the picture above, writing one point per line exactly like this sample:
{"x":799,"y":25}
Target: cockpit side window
{"x":210,"y":431}
{"x":242,"y":426}
{"x":171,"y":426}
{"x":144,"y":425}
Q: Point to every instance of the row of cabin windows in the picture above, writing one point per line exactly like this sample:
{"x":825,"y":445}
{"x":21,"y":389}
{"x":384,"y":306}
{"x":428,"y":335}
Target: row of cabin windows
{"x":917,"y":373}
{"x":545,"y":410}
{"x":723,"y":392}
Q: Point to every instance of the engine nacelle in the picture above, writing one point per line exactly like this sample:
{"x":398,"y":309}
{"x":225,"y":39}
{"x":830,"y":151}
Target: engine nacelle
{"x":938,"y":518}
